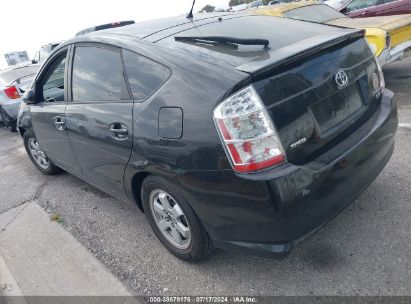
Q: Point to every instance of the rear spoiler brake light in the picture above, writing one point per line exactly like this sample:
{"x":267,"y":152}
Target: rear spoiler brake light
{"x":114,"y":24}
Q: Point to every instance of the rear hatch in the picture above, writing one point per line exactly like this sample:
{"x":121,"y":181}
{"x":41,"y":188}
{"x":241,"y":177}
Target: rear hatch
{"x":318,"y":119}
{"x":296,"y":78}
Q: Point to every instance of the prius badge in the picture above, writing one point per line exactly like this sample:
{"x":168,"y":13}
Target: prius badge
{"x":341,"y":78}
{"x":298,"y":143}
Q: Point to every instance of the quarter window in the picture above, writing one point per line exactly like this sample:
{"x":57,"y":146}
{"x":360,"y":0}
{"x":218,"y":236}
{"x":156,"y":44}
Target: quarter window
{"x":98,"y":75}
{"x":145,"y":76}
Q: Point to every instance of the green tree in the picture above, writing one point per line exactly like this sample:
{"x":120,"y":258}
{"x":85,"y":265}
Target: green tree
{"x":208,"y":8}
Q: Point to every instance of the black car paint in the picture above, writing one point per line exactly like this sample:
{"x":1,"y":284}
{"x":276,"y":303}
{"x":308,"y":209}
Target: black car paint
{"x":265,"y":211}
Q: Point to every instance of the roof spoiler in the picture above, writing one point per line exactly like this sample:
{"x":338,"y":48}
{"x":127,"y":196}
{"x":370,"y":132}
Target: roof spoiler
{"x":297,"y":51}
{"x":114,"y":24}
{"x":105,"y":27}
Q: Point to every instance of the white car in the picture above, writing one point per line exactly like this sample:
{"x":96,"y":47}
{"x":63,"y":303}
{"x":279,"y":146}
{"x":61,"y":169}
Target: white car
{"x":13,"y":83}
{"x":336,"y":4}
{"x":44,"y":52}
{"x":237,"y":8}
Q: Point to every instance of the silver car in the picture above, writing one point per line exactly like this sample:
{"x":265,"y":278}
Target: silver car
{"x":44,"y":52}
{"x":13,"y":84}
{"x":336,"y":4}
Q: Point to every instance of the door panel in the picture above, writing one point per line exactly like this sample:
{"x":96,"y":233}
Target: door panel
{"x":99,"y":116}
{"x":393,"y":8}
{"x":47,"y":116}
{"x":102,"y":157}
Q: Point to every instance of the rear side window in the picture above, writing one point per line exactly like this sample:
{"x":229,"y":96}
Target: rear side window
{"x":145,"y":76}
{"x":98,"y":75}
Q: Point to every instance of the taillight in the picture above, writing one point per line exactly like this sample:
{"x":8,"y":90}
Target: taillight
{"x":12,"y":92}
{"x":248,"y":133}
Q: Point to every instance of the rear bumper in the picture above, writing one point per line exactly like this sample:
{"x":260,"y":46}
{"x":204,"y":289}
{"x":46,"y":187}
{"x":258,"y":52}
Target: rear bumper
{"x":272,"y":211}
{"x":11,"y":108}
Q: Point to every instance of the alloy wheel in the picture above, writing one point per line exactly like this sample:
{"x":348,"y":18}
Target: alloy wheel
{"x":38,"y":155}
{"x":170,"y":219}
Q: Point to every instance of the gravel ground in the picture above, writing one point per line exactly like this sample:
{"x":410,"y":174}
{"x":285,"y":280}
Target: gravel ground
{"x":364,"y":251}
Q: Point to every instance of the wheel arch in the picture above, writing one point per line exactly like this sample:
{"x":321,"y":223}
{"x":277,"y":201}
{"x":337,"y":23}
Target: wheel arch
{"x":136,"y":183}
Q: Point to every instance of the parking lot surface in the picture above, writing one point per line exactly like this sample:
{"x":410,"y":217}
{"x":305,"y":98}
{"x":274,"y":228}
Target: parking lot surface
{"x":364,"y":251}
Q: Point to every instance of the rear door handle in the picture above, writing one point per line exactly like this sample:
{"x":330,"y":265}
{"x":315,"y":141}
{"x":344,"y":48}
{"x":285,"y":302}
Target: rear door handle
{"x":59,"y":122}
{"x":118,"y":131}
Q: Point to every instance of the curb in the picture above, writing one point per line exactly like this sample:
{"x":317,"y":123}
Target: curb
{"x":8,"y":285}
{"x":406,"y":126}
{"x":46,"y":260}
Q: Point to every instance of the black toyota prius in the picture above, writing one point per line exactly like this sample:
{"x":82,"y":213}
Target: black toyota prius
{"x":228,"y":130}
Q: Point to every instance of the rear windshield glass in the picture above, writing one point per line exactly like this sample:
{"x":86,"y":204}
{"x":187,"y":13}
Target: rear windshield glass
{"x":26,"y":79}
{"x":9,"y":76}
{"x":245,"y":27}
{"x":314,"y":13}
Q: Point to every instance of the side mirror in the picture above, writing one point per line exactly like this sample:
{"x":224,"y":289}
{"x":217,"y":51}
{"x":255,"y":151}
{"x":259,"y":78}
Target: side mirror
{"x":29,"y":97}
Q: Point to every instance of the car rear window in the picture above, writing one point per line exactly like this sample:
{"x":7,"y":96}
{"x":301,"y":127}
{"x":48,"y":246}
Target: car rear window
{"x":9,"y":76}
{"x":145,"y":76}
{"x":246,"y":27}
{"x":98,"y":75}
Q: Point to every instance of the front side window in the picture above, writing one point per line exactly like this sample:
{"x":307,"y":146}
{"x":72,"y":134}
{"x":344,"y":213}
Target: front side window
{"x":314,"y":13}
{"x":144,"y":75}
{"x":97,"y":75}
{"x":360,"y":4}
{"x":53,"y":85}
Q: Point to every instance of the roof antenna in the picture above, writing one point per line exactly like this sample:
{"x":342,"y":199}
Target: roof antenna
{"x":190,"y":14}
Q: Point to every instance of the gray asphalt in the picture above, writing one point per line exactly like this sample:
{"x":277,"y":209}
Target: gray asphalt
{"x":364,"y":251}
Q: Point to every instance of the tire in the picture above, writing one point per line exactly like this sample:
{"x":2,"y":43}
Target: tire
{"x":13,"y":126}
{"x":48,"y":168}
{"x":195,"y":248}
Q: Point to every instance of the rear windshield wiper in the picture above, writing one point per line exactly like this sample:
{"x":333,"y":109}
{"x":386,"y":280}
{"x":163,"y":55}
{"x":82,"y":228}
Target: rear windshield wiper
{"x":224,"y":40}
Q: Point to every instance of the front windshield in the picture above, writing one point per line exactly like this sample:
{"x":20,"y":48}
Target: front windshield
{"x":314,"y":13}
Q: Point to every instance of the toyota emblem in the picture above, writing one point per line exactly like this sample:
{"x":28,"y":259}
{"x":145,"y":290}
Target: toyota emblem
{"x":341,"y":78}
